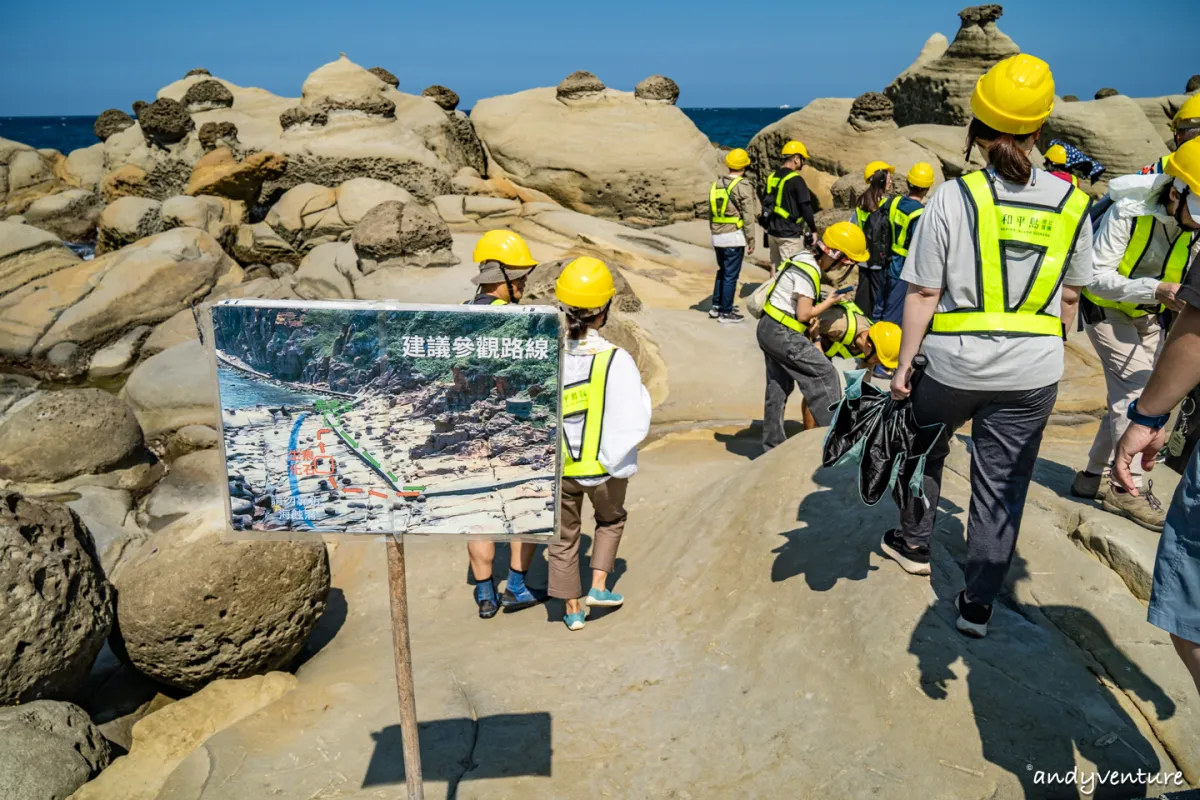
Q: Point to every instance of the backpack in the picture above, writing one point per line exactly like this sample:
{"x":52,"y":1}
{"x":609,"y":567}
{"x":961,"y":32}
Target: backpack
{"x":878,"y":230}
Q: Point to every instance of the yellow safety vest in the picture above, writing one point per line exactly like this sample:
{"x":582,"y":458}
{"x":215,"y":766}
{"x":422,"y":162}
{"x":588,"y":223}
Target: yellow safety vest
{"x":586,"y":399}
{"x":900,"y":225}
{"x":842,"y":346}
{"x":719,"y":194}
{"x":860,"y":216}
{"x":1053,"y":230}
{"x":788,"y":318}
{"x":775,"y":186}
{"x":496,"y":301}
{"x":1075,"y":181}
{"x":1139,"y":242}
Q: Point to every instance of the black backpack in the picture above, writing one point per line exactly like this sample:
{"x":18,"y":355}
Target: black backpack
{"x":878,"y":230}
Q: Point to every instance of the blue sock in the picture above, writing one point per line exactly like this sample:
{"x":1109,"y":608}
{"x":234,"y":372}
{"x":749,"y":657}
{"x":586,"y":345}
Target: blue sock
{"x":485,"y":590}
{"x":516,"y":581}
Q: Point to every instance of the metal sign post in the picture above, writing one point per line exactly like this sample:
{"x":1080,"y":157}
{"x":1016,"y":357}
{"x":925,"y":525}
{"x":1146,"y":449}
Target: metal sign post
{"x":398,"y":588}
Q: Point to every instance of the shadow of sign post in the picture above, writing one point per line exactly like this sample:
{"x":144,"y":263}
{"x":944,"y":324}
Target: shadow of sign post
{"x":515,"y":744}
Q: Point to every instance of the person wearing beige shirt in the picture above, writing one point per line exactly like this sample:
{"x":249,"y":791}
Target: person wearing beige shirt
{"x":731,"y":204}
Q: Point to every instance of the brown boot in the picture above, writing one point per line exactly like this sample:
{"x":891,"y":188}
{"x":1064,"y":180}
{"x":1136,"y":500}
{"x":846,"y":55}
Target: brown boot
{"x":1145,"y":509}
{"x":1090,"y":487}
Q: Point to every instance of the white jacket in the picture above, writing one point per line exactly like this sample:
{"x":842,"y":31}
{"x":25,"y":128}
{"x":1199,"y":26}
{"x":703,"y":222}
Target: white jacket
{"x":626,"y":406}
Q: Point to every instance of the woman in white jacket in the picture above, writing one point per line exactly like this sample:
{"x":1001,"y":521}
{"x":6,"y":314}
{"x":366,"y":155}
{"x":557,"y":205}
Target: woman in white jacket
{"x":606,"y":414}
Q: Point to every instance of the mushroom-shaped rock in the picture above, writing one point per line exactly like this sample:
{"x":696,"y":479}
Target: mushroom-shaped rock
{"x":57,"y":606}
{"x":164,"y":121}
{"x":207,"y":95}
{"x":1106,"y":92}
{"x":1193,"y":84}
{"x":579,"y":84}
{"x":446,"y":98}
{"x":48,"y":749}
{"x":138,"y":105}
{"x":870,"y":111}
{"x":343,"y":86}
{"x":195,"y":607}
{"x":1070,"y":98}
{"x":658,"y":87}
{"x":197,"y":71}
{"x":937,"y":87}
{"x":385,"y":76}
{"x":217,"y":134}
{"x":125,"y":220}
{"x":301,"y":115}
{"x":402,"y":233}
{"x":211,"y":214}
{"x":114,"y":120}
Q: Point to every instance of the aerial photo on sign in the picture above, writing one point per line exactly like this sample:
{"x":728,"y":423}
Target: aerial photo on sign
{"x":378,"y":418}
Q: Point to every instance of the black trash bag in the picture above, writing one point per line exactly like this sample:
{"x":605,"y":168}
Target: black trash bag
{"x":882,"y":436}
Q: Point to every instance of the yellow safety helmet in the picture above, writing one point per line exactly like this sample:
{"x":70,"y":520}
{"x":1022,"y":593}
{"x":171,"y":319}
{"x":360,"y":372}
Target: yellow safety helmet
{"x":737,"y":158}
{"x":874,"y":167}
{"x":886,"y":338}
{"x":1184,"y":165}
{"x":506,"y":247}
{"x":1188,"y":115}
{"x":585,"y":283}
{"x":1015,"y":96}
{"x":794,"y":148}
{"x":1057,"y":154}
{"x":847,"y":238}
{"x":921,"y":175}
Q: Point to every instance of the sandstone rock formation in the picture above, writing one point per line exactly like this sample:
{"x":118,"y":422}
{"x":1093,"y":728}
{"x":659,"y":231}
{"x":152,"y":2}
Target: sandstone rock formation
{"x":1161,"y":111}
{"x":194,"y":607}
{"x":1070,"y":98}
{"x":164,"y":122}
{"x":385,"y":76}
{"x":215,"y":215}
{"x":602,"y":153}
{"x":578,"y":85}
{"x":57,"y":604}
{"x":937,"y":87}
{"x":835,"y":145}
{"x":540,"y":286}
{"x":871,"y":111}
{"x":25,"y":176}
{"x":657,"y":87}
{"x":114,"y":120}
{"x":309,"y":215}
{"x":260,"y":244}
{"x":194,"y":483}
{"x":87,"y":305}
{"x":84,"y":168}
{"x":110,"y":517}
{"x":71,"y":215}
{"x":207,"y":95}
{"x":167,"y":391}
{"x":197,"y":71}
{"x":27,"y":253}
{"x":49,"y":436}
{"x":394,"y":233}
{"x":217,"y":134}
{"x":1106,"y":92}
{"x":447,"y":99}
{"x":1114,"y":131}
{"x":221,"y":174}
{"x":48,"y":750}
{"x":126,"y":220}
{"x":948,"y":143}
{"x":329,"y":272}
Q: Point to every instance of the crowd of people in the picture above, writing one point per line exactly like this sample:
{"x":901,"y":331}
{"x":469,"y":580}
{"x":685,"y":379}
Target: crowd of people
{"x":984,"y":277}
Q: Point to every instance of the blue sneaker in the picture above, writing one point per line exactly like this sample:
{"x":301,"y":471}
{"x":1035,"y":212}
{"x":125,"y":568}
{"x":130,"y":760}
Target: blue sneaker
{"x":603,"y":598}
{"x":485,"y":598}
{"x":575,"y":622}
{"x":525,"y":598}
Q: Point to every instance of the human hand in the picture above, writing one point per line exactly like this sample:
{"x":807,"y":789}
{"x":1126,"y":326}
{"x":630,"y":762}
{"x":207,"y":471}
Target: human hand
{"x":1165,"y":294}
{"x":1137,"y":439}
{"x":901,"y":386}
{"x":750,"y":247}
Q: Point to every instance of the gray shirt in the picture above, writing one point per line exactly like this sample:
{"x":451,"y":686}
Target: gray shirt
{"x":942,"y":256}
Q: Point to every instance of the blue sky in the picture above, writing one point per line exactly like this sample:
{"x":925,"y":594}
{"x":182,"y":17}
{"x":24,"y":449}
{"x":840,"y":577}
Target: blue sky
{"x":80,"y":58}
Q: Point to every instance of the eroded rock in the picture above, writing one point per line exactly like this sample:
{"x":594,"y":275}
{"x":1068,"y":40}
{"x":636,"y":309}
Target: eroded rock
{"x":164,"y":122}
{"x":657,"y":87}
{"x":219,"y":173}
{"x":71,"y":215}
{"x":207,"y":95}
{"x":395,"y":232}
{"x":446,"y":99}
{"x":870,"y":111}
{"x":126,"y":220}
{"x":48,"y":750}
{"x":1106,"y":92}
{"x":114,"y":120}
{"x":217,"y":134}
{"x":385,"y":76}
{"x":579,"y":84}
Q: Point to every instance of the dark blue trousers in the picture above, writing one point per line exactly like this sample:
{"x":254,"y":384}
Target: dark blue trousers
{"x":729,"y":267}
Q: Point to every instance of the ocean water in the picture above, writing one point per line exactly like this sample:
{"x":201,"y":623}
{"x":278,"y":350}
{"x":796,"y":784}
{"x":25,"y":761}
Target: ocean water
{"x":731,"y":127}
{"x":239,"y":391}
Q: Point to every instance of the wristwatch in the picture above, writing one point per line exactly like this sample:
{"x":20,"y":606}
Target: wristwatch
{"x":1154,"y":423}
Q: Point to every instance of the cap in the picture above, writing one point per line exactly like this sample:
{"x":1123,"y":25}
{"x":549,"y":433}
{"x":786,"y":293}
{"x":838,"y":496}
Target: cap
{"x":494,"y":272}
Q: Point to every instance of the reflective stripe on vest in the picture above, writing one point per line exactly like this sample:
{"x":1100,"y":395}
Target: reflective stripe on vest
{"x":900,"y":225}
{"x":775,"y":186}
{"x":785,"y":318}
{"x":719,"y":193}
{"x":860,"y":216}
{"x":586,"y":399}
{"x":1139,"y":243}
{"x":480,"y":300}
{"x":842,"y":346}
{"x":1050,"y":230}
{"x":1075,"y":181}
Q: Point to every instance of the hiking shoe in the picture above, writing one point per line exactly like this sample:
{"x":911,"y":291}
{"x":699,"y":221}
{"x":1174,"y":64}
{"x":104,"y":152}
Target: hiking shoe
{"x":973,"y":618}
{"x":1145,"y":509}
{"x":914,"y":560}
{"x":575,"y":622}
{"x":713,"y":313}
{"x":1089,"y":487}
{"x":603,"y":598}
{"x":526,"y":598}
{"x":485,"y":598}
{"x":731,"y":319}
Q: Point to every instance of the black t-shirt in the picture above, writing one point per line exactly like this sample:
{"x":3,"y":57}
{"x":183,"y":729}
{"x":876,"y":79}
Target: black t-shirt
{"x":1190,"y":291}
{"x":797,"y":201}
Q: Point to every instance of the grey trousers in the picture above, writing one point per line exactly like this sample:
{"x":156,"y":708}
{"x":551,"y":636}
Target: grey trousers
{"x":1006,"y":434}
{"x":793,"y":361}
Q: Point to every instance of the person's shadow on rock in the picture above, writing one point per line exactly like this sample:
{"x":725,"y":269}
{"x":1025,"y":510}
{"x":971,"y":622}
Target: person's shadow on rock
{"x":1035,"y":710}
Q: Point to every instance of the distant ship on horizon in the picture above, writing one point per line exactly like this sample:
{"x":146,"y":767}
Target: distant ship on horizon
{"x":785,"y":105}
